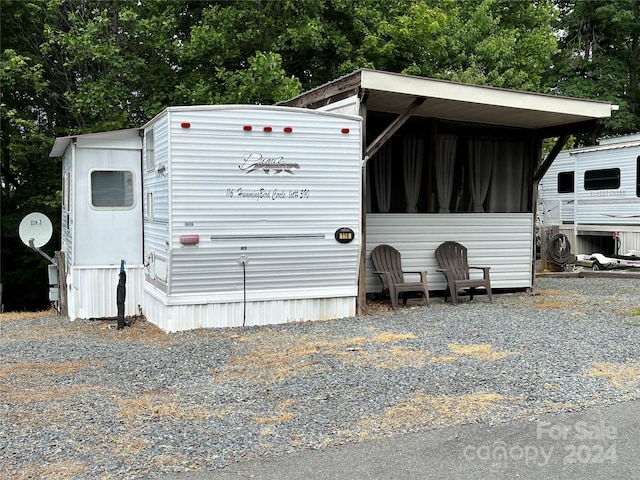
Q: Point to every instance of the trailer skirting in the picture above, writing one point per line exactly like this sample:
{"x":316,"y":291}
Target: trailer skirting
{"x":187,"y":312}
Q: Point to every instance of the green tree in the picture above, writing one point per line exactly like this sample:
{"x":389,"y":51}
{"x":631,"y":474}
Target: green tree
{"x":30,"y":181}
{"x":78,"y":66}
{"x":599,"y":58}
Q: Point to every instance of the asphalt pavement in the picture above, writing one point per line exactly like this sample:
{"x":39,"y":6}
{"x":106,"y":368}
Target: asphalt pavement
{"x":592,"y":444}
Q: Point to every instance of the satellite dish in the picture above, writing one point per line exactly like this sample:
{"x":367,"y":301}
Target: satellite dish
{"x":37,"y":227}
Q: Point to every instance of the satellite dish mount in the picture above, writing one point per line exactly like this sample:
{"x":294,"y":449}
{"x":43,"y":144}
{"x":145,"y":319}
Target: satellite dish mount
{"x":35,"y":231}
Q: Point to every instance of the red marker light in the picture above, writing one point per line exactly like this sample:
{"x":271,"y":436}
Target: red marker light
{"x":345,"y":130}
{"x":185,"y":125}
{"x":192,"y":239}
{"x":247,"y":128}
{"x":267,"y":129}
{"x":287,"y":129}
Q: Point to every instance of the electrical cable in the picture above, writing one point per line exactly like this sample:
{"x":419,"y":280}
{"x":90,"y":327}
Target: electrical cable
{"x":244,"y":292}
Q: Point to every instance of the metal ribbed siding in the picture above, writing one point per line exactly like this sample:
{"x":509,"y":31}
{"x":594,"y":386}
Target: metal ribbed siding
{"x":66,"y":242}
{"x":92,"y":291}
{"x":205,"y":160}
{"x":621,"y":208}
{"x":502,"y":241}
{"x":190,"y":315}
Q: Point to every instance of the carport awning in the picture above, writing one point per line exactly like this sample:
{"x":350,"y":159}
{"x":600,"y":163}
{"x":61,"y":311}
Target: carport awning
{"x":394,"y":93}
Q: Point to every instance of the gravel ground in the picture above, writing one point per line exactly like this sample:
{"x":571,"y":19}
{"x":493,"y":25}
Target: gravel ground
{"x":83,"y":400}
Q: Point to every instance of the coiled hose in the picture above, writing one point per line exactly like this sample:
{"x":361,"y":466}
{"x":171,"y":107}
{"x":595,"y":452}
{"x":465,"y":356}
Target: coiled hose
{"x":558,"y":251}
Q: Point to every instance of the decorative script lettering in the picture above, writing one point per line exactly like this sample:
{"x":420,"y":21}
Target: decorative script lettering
{"x":254,"y":162}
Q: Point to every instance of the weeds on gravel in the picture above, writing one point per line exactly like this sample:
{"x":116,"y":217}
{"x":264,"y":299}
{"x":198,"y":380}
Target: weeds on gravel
{"x":32,"y":380}
{"x":431,"y":410}
{"x":632,"y":313}
{"x":157,"y":404}
{"x":31,"y":369}
{"x":9,"y":316}
{"x":478,"y":351}
{"x":620,"y":376}
{"x":66,"y":470}
{"x":553,"y":299}
{"x":280,"y":415}
{"x":272,"y":359}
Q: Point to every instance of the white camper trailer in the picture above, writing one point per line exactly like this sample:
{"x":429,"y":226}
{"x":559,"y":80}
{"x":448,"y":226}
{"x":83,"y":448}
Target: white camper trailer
{"x":592,"y":195}
{"x":225,"y":216}
{"x":101,"y":220}
{"x":252,"y":216}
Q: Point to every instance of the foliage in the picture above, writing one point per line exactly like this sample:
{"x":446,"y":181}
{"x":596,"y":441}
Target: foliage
{"x":78,"y":66}
{"x":599,"y":58}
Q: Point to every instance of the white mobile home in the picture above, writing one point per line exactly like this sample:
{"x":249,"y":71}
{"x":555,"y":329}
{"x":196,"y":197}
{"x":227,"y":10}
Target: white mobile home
{"x":448,"y":161}
{"x":593,"y":195}
{"x":252,"y":215}
{"x":230,"y":215}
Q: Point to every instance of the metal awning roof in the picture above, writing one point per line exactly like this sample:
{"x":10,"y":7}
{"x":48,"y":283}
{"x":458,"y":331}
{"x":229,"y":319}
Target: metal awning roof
{"x":394,"y":93}
{"x":62,"y":143}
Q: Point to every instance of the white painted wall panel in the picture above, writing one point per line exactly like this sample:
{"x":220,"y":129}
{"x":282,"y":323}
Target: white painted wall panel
{"x":590,"y":216}
{"x":105,"y":236}
{"x":349,"y":106}
{"x":502,"y":241}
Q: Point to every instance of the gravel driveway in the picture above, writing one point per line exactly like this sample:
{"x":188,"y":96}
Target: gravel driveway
{"x":83,"y":400}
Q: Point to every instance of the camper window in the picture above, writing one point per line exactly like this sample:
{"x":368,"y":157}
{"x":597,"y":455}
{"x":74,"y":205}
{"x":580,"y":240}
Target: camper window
{"x":112,"y":189}
{"x":603,"y":179}
{"x":565,"y":182}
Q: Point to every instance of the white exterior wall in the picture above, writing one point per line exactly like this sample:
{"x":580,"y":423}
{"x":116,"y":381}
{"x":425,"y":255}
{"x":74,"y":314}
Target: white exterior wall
{"x":95,"y":240}
{"x":296,"y":269}
{"x":608,"y":207}
{"x":66,"y":232}
{"x":586,"y":215}
{"x":156,"y":190}
{"x":502,"y":241}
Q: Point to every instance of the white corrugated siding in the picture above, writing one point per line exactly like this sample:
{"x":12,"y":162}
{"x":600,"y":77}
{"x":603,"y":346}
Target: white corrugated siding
{"x":296,"y":268}
{"x":595,"y":207}
{"x":92,"y":291}
{"x":187,"y":313}
{"x":66,"y":242}
{"x":289,"y":241}
{"x":619,"y":206}
{"x":156,"y":182}
{"x":502,"y":241}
